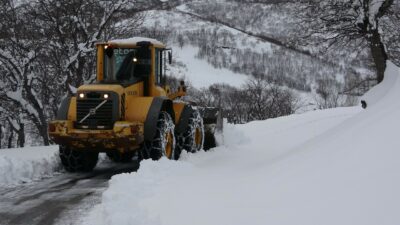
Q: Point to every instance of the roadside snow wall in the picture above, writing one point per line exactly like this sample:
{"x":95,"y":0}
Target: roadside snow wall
{"x":23,"y":165}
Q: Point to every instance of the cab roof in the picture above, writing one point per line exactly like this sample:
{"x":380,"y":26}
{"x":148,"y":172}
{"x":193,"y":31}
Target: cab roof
{"x":132,"y":42}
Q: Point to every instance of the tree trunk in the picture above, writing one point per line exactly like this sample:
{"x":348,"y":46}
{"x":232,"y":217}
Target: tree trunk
{"x":44,"y":134}
{"x":10,"y":139}
{"x":41,"y":126}
{"x":1,"y":135}
{"x":21,"y":135}
{"x":378,"y":53}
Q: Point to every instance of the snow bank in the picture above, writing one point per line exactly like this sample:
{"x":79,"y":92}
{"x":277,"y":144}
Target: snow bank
{"x":122,"y":208}
{"x":337,"y":166}
{"x":388,"y":84}
{"x":208,"y":181}
{"x":26,"y":164}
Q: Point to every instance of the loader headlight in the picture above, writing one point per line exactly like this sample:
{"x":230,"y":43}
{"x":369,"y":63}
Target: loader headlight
{"x":105,"y":96}
{"x":81,"y":95}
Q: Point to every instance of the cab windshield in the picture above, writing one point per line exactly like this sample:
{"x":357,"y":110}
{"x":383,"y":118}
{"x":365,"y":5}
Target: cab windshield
{"x":126,"y":65}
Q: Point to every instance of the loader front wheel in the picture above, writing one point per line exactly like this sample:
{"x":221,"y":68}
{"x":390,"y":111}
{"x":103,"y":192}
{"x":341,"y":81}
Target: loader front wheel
{"x":78,"y":160}
{"x":192,"y":139}
{"x":163,"y":143}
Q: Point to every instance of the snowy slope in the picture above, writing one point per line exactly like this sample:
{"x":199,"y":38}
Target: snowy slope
{"x":200,"y":74}
{"x":337,"y":166}
{"x":26,"y":164}
{"x":187,"y":64}
{"x":207,"y":52}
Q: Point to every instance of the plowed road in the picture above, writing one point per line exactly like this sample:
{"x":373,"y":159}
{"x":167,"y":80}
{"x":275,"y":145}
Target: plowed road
{"x":57,"y":200}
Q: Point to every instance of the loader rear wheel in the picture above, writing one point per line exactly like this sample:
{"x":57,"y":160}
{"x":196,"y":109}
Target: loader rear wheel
{"x":163,"y":144}
{"x":120,"y":157}
{"x":78,"y":160}
{"x":192,"y":139}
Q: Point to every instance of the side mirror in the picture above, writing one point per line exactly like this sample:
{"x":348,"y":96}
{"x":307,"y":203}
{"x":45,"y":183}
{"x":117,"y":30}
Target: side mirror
{"x":170,"y":57}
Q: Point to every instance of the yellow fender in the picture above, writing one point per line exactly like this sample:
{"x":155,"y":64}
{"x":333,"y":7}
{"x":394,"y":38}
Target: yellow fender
{"x":147,"y":111}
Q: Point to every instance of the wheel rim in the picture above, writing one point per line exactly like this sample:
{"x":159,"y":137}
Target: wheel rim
{"x":168,"y":146}
{"x":197,"y":137}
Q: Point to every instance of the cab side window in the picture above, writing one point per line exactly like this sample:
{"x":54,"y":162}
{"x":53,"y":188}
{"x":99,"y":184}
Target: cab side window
{"x":159,"y":66}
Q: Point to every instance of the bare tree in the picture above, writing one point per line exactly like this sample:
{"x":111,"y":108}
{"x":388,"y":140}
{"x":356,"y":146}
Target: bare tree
{"x":21,"y":78}
{"x":350,"y":22}
{"x":265,"y":100}
{"x":328,"y":91}
{"x":15,"y":120}
{"x":257,"y":100}
{"x":72,"y":28}
{"x":46,"y":49}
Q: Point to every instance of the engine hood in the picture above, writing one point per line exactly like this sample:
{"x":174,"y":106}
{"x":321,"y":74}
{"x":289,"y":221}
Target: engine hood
{"x":102,"y":87}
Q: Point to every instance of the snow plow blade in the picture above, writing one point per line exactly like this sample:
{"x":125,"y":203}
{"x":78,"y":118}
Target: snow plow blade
{"x":213,"y":123}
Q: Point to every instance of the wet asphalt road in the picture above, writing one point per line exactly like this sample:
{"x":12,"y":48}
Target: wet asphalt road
{"x":60,"y":199}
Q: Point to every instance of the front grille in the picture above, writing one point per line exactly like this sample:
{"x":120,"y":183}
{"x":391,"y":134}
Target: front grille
{"x":102,"y":119}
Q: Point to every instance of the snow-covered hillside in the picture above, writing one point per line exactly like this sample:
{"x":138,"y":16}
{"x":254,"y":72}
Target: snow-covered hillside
{"x":218,"y":53}
{"x":187,"y":64}
{"x":200,"y":74}
{"x":337,"y":166}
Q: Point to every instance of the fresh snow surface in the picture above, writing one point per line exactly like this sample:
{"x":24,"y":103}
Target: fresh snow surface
{"x":337,"y":166}
{"x":202,"y":74}
{"x":378,"y":92}
{"x":223,"y":186}
{"x":26,"y":164}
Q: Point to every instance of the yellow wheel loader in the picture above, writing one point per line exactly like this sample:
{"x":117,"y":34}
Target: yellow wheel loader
{"x":130,"y":110}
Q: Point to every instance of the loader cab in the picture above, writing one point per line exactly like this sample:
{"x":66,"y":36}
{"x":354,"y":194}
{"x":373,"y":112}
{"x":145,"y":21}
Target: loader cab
{"x":126,"y":65}
{"x":133,"y":61}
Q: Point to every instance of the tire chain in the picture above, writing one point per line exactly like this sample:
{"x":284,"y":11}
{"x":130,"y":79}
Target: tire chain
{"x":157,"y":146}
{"x":186,"y":139}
